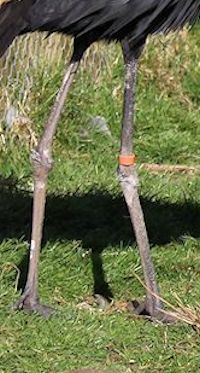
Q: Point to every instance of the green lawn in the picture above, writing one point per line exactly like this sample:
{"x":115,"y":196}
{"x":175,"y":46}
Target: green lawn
{"x":87,"y":222}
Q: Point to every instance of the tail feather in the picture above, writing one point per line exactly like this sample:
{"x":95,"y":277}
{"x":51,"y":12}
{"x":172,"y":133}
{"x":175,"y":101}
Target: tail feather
{"x":11,"y":21}
{"x":171,"y":15}
{"x":181,"y":12}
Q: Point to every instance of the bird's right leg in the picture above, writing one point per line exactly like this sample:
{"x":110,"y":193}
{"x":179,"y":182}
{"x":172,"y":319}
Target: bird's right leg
{"x":152,"y":306}
{"x":42,"y":164}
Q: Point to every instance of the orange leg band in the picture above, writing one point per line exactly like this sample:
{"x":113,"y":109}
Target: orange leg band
{"x":127,"y":160}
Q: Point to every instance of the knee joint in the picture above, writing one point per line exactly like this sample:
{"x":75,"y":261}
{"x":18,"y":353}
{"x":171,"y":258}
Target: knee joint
{"x":42,"y":161}
{"x":128,"y":175}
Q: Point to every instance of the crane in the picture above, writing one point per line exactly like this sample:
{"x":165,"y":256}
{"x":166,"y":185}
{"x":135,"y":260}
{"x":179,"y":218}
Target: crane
{"x":128,"y":22}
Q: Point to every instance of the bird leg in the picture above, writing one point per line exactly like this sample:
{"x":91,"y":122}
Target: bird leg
{"x":152,"y":307}
{"x":42,"y":164}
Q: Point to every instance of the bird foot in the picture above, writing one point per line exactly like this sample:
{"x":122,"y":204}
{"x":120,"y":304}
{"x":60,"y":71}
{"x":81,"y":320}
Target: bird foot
{"x":32,"y":305}
{"x":101,"y":301}
{"x":158,"y":315}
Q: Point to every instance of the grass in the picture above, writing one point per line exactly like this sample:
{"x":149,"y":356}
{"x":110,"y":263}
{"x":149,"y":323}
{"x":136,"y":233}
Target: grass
{"x":87,"y":223}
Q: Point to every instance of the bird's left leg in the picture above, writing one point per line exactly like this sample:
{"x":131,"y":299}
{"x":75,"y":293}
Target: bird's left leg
{"x":128,"y":178}
{"x":42,"y":164}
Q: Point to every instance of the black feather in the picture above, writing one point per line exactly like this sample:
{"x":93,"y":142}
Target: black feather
{"x":12,"y":21}
{"x":91,"y":20}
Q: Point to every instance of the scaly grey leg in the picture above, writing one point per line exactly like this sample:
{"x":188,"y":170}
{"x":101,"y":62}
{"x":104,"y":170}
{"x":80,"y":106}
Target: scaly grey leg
{"x":42,"y":164}
{"x":129,"y":182}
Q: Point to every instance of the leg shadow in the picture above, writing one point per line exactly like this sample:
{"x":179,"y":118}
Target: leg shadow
{"x":98,"y":219}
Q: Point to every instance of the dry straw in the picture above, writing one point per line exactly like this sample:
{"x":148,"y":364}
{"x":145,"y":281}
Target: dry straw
{"x":181,"y":312}
{"x":22,"y":64}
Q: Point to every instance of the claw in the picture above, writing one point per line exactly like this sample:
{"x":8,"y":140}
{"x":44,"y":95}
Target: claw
{"x":158,"y":315}
{"x":27,"y":304}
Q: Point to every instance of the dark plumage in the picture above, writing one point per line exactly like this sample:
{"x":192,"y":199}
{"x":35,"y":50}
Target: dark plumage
{"x":91,"y":20}
{"x":126,"y":21}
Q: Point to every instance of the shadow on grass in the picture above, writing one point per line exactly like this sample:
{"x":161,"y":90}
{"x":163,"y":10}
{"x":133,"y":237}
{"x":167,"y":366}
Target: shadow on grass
{"x":98,"y":219}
